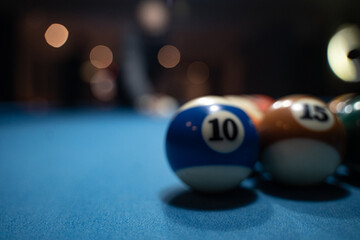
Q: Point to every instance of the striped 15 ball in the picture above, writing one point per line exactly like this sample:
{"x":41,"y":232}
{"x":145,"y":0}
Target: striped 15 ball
{"x":302,"y":141}
{"x":211,"y":145}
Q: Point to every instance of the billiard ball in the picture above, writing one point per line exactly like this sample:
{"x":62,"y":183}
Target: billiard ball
{"x":211,"y":147}
{"x":245,"y":103}
{"x":350,"y":116}
{"x":343,"y":53}
{"x":262,"y":101}
{"x":302,"y":141}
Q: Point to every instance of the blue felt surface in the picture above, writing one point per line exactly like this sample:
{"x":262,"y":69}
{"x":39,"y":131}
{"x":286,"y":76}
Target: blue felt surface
{"x":103,"y":175}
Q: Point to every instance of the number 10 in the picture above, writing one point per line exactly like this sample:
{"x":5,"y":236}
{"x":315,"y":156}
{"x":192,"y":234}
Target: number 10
{"x":217,"y":134}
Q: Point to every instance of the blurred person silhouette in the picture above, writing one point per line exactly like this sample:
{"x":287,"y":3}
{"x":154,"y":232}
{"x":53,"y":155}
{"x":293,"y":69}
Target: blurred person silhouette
{"x":140,"y":69}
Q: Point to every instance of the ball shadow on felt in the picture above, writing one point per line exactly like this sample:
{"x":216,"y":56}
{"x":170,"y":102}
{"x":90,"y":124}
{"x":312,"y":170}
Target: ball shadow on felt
{"x":314,"y":193}
{"x":325,"y":200}
{"x":229,"y":211}
{"x":189,"y":199}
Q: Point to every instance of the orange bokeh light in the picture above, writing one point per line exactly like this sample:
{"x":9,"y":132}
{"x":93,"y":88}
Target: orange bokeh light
{"x":169,"y":56}
{"x":56,"y":35}
{"x":101,"y":57}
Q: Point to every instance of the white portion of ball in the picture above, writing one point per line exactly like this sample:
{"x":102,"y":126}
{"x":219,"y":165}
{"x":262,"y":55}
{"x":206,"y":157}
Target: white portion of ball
{"x":312,"y":114}
{"x":213,"y":178}
{"x":205,"y":101}
{"x":222,"y":130}
{"x":300,"y":161}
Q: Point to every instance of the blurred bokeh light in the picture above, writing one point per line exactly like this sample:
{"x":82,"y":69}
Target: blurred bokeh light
{"x":101,"y":56}
{"x":103,"y":85}
{"x":169,"y":56}
{"x":56,"y":35}
{"x":153,"y":16}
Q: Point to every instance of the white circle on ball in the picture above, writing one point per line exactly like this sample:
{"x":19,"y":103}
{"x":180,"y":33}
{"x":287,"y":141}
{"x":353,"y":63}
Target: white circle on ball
{"x":312,"y":114}
{"x":222,"y":131}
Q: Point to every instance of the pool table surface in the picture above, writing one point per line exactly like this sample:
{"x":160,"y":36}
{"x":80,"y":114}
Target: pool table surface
{"x":103,"y":174}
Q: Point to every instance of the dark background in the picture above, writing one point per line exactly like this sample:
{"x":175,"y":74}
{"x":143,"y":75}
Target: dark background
{"x":270,"y":47}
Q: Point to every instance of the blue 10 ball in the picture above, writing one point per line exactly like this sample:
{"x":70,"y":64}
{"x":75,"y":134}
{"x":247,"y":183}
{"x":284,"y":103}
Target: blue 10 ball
{"x":211,"y":144}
